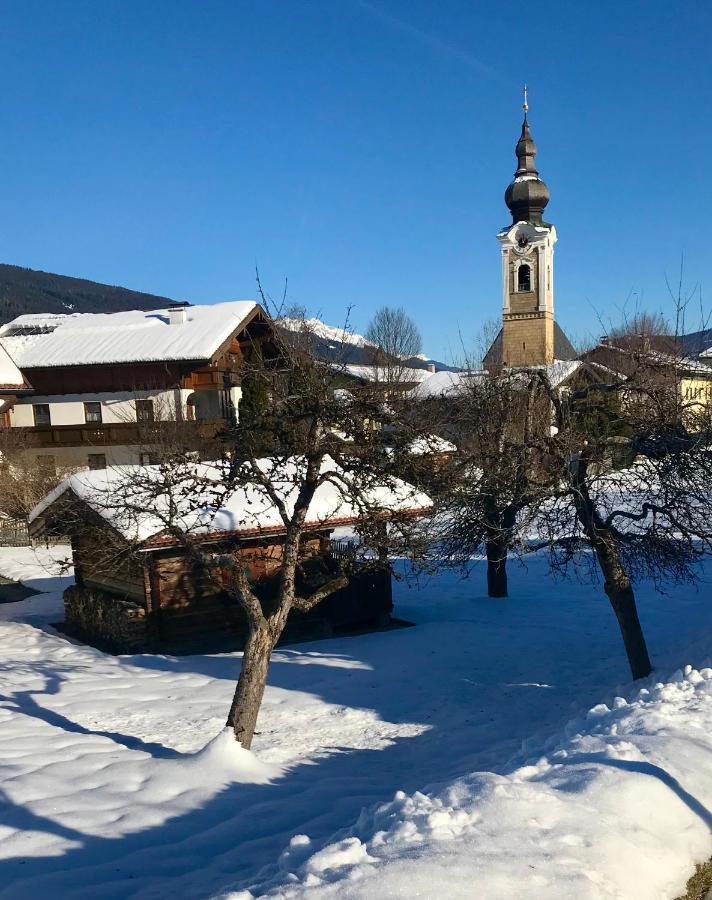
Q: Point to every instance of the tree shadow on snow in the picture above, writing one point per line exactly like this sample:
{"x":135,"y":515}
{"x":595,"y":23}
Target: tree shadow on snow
{"x":477,"y":706}
{"x":24,"y":702}
{"x":642,"y":768}
{"x":23,"y":819}
{"x":232,"y":841}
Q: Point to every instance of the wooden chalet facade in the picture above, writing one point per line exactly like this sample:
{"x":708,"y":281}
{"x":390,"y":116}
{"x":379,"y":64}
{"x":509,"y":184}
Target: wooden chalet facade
{"x":98,"y":388}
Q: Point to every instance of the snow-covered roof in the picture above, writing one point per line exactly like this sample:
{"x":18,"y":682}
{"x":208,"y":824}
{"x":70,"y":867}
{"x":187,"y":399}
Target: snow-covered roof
{"x":450,"y":384}
{"x":444,"y":384}
{"x":558,"y":371}
{"x":400,"y":374}
{"x":701,"y":366}
{"x":135,"y":500}
{"x":11,"y":378}
{"x":430,"y":443}
{"x":80,"y":339}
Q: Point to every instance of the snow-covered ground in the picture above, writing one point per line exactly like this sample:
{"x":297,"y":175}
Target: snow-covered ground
{"x":457,"y":758}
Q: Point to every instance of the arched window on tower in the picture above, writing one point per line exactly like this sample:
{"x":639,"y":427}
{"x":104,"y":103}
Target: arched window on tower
{"x":524,"y":278}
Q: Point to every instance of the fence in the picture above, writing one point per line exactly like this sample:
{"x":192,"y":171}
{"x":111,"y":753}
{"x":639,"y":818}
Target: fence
{"x":14,"y":533}
{"x":341,"y":549}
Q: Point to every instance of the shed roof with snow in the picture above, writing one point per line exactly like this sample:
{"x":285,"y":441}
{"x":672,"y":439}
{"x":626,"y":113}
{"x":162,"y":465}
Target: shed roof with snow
{"x":135,"y":500}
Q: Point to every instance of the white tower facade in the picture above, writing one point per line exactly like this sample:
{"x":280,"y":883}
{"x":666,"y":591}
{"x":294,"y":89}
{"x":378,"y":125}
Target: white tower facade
{"x":527,"y":293}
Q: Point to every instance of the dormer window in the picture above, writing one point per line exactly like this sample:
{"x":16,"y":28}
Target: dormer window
{"x":524,"y":278}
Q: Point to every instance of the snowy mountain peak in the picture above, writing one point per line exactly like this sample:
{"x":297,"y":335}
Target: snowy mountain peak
{"x":327,"y":332}
{"x":332,"y":341}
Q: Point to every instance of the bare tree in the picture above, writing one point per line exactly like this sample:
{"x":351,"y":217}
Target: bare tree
{"x":644,"y":325}
{"x":396,"y":339}
{"x":495,"y":481}
{"x":326,"y":459}
{"x":613,"y":470}
{"x":27,"y":473}
{"x":649,"y":517}
{"x":486,"y":337}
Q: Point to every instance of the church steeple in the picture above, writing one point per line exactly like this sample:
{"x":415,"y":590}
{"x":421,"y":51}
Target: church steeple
{"x":527,"y":195}
{"x":527,"y":264}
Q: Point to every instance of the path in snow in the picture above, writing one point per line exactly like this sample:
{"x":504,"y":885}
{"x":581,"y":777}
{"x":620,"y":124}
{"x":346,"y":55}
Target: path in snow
{"x":102,"y":799}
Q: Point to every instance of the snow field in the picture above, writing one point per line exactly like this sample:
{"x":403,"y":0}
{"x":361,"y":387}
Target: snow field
{"x":363,"y":748}
{"x":602,"y":815}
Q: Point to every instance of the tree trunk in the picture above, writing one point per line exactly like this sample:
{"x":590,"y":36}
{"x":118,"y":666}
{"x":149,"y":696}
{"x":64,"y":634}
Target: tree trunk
{"x":497,"y":568}
{"x":251,"y":684}
{"x":615,"y":578}
{"x":620,"y":592}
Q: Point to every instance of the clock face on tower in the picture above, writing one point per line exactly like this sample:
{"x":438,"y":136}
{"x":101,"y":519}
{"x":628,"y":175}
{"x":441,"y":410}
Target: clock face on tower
{"x":522,"y":241}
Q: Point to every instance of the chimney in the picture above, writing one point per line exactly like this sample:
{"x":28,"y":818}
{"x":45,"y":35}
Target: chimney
{"x":178,"y":313}
{"x":431,"y":367}
{"x":605,"y":340}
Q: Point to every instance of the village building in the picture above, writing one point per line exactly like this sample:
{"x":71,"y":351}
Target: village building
{"x":390,"y":381}
{"x":529,"y":335}
{"x":139,"y":586}
{"x":88,"y":389}
{"x":662,"y":360}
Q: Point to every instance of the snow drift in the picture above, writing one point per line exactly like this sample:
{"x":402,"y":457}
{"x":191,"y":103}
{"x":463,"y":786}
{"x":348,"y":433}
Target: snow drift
{"x":603,"y":813}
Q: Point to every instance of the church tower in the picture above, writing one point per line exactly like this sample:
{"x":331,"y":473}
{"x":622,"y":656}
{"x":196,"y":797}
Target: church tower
{"x":528,"y":328}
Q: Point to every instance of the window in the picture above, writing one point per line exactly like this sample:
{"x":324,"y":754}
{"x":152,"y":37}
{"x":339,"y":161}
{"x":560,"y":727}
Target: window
{"x":97,"y":460}
{"x":41,"y":413}
{"x":148,"y":459}
{"x":92,"y":413}
{"x":144,"y":410}
{"x":524,"y":278}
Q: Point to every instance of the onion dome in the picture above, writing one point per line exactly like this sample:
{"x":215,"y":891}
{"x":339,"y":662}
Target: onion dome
{"x":527,"y":195}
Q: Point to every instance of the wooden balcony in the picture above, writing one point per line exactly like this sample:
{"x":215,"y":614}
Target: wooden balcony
{"x":112,"y":435}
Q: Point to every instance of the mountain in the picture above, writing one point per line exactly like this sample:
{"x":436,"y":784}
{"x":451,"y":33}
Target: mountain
{"x":340,"y":344}
{"x":29,"y":291}
{"x":697,"y":342}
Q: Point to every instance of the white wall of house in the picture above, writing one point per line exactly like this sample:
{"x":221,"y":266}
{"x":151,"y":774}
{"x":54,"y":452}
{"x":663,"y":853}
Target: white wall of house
{"x":116,"y":407}
{"x":74,"y":459}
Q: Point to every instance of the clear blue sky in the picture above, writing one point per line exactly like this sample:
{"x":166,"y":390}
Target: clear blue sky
{"x":359,"y":149}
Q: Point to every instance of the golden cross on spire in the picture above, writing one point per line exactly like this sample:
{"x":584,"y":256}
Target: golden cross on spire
{"x":525,"y":105}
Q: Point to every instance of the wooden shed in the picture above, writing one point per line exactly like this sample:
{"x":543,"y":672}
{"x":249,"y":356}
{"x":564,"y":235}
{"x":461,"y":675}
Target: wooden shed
{"x":158,"y":596}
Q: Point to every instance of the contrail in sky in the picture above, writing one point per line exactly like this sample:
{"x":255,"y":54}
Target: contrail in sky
{"x":430,"y":40}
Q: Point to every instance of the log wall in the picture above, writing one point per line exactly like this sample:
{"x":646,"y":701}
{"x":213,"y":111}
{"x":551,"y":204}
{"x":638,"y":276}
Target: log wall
{"x":184,"y":606}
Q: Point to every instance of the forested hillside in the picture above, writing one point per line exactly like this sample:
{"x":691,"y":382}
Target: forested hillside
{"x":28,"y":291}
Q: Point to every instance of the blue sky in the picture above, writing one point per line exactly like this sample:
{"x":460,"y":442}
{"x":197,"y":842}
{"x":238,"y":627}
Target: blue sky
{"x":358,"y":149}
